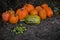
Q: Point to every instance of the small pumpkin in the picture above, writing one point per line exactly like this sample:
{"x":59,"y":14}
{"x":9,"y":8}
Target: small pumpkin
{"x":5,"y":16}
{"x":22,"y":13}
{"x":56,"y":10}
{"x":28,"y":7}
{"x":38,"y":8}
{"x":42,"y":14}
{"x":32,"y":19}
{"x":49,"y":12}
{"x":34,"y":12}
{"x":13,"y":19}
{"x":44,"y":5}
{"x":19,"y":13}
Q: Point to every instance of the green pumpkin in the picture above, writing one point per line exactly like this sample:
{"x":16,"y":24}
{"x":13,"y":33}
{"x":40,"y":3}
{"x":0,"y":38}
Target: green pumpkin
{"x":56,"y":10}
{"x":32,"y":19}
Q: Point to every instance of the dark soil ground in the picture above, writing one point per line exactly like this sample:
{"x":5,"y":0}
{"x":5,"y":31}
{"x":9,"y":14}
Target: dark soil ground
{"x":49,"y":29}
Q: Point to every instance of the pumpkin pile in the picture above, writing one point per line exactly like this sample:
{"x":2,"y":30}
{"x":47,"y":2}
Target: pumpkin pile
{"x":13,"y":17}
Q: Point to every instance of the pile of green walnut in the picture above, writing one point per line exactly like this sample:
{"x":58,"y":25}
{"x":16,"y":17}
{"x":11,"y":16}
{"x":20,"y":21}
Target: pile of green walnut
{"x":20,"y":29}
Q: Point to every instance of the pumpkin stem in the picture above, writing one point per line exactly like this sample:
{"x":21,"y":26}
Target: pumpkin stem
{"x":26,"y":4}
{"x":10,"y":8}
{"x":11,"y":11}
{"x":6,"y":11}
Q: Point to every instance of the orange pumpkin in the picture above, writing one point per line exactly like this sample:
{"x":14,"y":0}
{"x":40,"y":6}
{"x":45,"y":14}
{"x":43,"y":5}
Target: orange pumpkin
{"x":13,"y":19}
{"x":34,"y":12}
{"x":44,"y":5}
{"x":28,"y":7}
{"x":5,"y":16}
{"x":38,"y":8}
{"x":49,"y":12}
{"x":42,"y":14}
{"x":19,"y":13}
{"x":22,"y":13}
